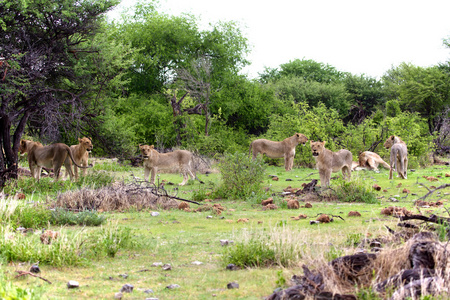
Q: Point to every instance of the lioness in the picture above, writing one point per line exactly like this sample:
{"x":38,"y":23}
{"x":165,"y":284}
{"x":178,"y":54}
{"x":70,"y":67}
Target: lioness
{"x":285,"y":148}
{"x":80,"y":154}
{"x":154,"y":160}
{"x":328,"y":161}
{"x":371,"y":160}
{"x":399,"y":155}
{"x":51,"y":156}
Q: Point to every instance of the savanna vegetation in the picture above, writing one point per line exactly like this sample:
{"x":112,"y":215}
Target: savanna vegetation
{"x":67,"y":71}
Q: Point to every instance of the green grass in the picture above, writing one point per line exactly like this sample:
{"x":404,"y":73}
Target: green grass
{"x":180,"y":238}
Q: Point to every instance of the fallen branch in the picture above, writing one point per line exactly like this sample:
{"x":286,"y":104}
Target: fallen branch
{"x":432,"y":191}
{"x":23,"y":273}
{"x":431,"y":218}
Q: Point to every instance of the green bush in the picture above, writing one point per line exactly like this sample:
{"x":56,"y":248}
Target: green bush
{"x":241,"y":175}
{"x":253,"y":253}
{"x":354,"y":191}
{"x":30,"y":217}
{"x":8,"y":291}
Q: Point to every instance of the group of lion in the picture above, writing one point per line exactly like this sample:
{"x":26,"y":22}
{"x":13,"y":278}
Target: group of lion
{"x":55,"y":155}
{"x":328,"y":161}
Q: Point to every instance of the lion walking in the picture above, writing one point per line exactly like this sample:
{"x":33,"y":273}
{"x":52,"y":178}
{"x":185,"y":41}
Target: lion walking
{"x":153,"y":160}
{"x":328,"y":161}
{"x":51,"y":156}
{"x":399,"y":156}
{"x":285,"y":148}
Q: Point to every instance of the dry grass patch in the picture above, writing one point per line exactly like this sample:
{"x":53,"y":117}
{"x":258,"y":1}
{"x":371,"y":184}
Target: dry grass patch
{"x":118,"y":197}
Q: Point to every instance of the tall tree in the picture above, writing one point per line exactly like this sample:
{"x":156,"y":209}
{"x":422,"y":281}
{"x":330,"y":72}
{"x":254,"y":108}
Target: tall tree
{"x":44,"y":46}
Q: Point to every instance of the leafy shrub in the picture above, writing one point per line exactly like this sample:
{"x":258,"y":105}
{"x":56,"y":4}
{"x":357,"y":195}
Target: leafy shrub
{"x":241,"y":175}
{"x":354,"y":191}
{"x":86,"y":218}
{"x":280,"y":246}
{"x":111,"y":239}
{"x":253,"y":253}
{"x":333,"y":253}
{"x":353,"y":239}
{"x":61,"y":252}
{"x":30,"y":217}
{"x":8,"y":291}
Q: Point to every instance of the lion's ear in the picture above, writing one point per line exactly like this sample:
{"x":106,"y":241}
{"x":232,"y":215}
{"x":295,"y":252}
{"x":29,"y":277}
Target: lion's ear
{"x":152,"y":147}
{"x":392,"y":137}
{"x":323,"y":143}
{"x":311,"y":142}
{"x":79,"y":140}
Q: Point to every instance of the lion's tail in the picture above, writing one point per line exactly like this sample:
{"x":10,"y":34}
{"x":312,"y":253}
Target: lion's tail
{"x":69,"y":151}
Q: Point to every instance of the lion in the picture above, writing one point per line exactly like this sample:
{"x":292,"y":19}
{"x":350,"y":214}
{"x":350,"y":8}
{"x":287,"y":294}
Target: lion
{"x":371,"y":160}
{"x":51,"y":156}
{"x":80,"y":154}
{"x":153,"y":160}
{"x":285,"y":148}
{"x":399,"y":156}
{"x":328,"y":161}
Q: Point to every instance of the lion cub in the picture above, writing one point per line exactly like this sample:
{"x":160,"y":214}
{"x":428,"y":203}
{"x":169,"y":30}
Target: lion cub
{"x":154,"y":160}
{"x":328,"y":161}
{"x":399,"y":155}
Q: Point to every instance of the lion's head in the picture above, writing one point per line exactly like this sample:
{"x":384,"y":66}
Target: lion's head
{"x":146,"y":150}
{"x":317,"y":147}
{"x":300,"y":138}
{"x":391,"y":141}
{"x":87,"y":143}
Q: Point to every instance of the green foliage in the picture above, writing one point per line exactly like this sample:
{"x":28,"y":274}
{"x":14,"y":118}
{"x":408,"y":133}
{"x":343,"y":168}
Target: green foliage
{"x":333,"y":253}
{"x":111,"y":239}
{"x":30,"y":217}
{"x":253,"y":253}
{"x":61,"y":252}
{"x":10,"y":292}
{"x":47,"y":185}
{"x":368,"y":294}
{"x":311,"y":70}
{"x":63,"y":217}
{"x":281,"y":281}
{"x":353,"y":239}
{"x":201,"y":194}
{"x":354,"y":191}
{"x":241,"y":175}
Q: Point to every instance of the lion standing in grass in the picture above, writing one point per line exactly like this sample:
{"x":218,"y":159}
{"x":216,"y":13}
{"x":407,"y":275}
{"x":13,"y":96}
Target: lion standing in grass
{"x":371,"y":160}
{"x":328,"y":161}
{"x":154,"y":160}
{"x":399,"y":156}
{"x":51,"y":156}
{"x":81,"y":154}
{"x":285,"y":148}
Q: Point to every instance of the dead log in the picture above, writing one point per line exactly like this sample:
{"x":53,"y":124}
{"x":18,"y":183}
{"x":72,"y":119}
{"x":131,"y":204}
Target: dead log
{"x":431,"y":218}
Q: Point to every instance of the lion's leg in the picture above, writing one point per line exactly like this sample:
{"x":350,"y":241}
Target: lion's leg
{"x":84,"y":163}
{"x":185,"y":176}
{"x":37,"y":171}
{"x":146,"y":173}
{"x":346,"y":172}
{"x":406,"y":167}
{"x":385,"y":164}
{"x":288,"y":162}
{"x":372,"y":164}
{"x":325,"y":176}
{"x":393,"y":162}
{"x":68,"y":166}
{"x":154,"y":171}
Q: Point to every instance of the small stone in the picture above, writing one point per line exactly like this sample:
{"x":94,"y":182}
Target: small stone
{"x":172,"y":286}
{"x":209,"y":217}
{"x":197,"y":263}
{"x":225,"y":242}
{"x":149,"y":291}
{"x":127,"y":288}
{"x":392,"y":199}
{"x":288,"y":179}
{"x":118,"y":295}
{"x":154,"y":214}
{"x":124,"y":276}
{"x":233,"y":285}
{"x":232,"y":267}
{"x":72,"y":284}
{"x":157,"y":264}
{"x":312,"y":222}
{"x":151,"y":299}
{"x":167,"y":267}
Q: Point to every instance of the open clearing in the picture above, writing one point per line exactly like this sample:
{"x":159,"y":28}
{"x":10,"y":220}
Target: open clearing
{"x":190,"y":241}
